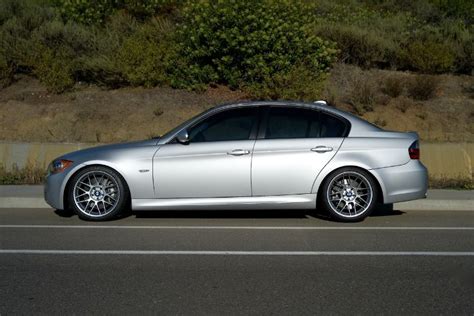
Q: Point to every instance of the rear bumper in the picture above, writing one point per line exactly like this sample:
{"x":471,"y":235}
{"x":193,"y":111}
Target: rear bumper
{"x":403,"y":183}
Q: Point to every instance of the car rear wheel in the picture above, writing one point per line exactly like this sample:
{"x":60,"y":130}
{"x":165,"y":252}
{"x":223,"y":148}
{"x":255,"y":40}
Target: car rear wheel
{"x":349,"y":194}
{"x":98,"y":193}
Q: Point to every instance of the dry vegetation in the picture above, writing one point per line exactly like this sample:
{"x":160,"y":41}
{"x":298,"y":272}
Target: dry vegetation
{"x":439,"y":108}
{"x":28,"y":112}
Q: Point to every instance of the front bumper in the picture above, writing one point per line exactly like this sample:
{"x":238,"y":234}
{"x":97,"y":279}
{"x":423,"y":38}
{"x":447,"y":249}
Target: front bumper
{"x":53,"y":191}
{"x":403,"y":183}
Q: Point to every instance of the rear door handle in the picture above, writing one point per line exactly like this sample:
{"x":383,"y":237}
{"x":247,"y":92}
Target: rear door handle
{"x":321,"y":149}
{"x":238,"y":152}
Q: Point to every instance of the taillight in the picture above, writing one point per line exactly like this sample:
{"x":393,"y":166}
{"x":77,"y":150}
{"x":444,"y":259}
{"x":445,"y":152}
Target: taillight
{"x":414,"y":150}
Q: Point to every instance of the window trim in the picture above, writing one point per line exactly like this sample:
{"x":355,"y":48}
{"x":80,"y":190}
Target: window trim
{"x":266,"y":112}
{"x":253,"y":132}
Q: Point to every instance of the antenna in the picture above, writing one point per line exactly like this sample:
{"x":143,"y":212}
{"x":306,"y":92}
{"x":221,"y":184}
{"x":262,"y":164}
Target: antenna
{"x":320,"y":102}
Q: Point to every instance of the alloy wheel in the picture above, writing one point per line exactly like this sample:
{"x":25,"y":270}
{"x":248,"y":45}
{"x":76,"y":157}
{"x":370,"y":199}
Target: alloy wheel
{"x":349,"y":194}
{"x":96,"y":193}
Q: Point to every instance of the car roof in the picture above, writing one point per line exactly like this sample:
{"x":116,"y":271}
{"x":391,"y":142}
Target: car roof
{"x":358,"y":125}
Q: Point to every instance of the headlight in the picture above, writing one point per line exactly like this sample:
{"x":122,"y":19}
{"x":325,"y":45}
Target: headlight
{"x":59,"y":165}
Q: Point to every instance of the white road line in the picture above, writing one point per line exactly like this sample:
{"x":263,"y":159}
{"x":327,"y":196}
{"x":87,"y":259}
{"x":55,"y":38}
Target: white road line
{"x":242,"y":227}
{"x":238,"y":253}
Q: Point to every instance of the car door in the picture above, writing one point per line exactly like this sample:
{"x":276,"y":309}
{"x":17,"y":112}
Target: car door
{"x":216,"y":161}
{"x":293,"y":146}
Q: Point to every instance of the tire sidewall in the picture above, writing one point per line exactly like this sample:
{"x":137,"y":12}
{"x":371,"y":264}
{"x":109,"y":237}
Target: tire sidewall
{"x":123,"y":196}
{"x":326,"y":205}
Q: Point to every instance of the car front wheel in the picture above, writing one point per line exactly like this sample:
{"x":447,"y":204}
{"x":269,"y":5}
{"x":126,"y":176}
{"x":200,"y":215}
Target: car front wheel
{"x":98,"y":193}
{"x":349,"y":194}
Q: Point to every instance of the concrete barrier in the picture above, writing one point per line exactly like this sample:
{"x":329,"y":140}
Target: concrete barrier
{"x":36,"y":155}
{"x":444,"y":160}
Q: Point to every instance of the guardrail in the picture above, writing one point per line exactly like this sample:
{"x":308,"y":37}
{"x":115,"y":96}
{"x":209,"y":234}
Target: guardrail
{"x":444,"y":160}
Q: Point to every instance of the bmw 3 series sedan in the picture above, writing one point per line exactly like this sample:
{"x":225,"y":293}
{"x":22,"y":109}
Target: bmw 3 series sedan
{"x":253,"y":155}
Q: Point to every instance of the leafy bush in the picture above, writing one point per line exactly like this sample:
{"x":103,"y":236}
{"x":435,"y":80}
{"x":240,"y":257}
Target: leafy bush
{"x":54,"y":70}
{"x":422,"y":87}
{"x":428,"y":56}
{"x":460,"y":38}
{"x":55,"y":53}
{"x":299,"y":83}
{"x":99,"y":65}
{"x":143,"y":58}
{"x":146,"y":8}
{"x":92,"y":12}
{"x":6,"y":71}
{"x":358,"y":46}
{"x":247,"y":42}
{"x":87,"y":12}
{"x":272,"y":48}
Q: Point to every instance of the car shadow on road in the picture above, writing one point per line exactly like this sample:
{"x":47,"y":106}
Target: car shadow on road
{"x":380,"y":210}
{"x":223,"y":214}
{"x":385,"y":210}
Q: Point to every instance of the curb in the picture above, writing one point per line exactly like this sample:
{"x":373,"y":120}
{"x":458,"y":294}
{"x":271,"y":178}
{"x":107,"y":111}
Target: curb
{"x":418,"y":205}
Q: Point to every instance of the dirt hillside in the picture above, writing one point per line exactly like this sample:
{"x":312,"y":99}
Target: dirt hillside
{"x":29,"y":113}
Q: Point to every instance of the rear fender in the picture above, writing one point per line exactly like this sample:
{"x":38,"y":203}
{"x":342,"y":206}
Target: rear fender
{"x":337,"y":164}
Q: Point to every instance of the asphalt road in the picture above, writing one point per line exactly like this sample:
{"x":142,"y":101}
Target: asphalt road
{"x":281,"y":262}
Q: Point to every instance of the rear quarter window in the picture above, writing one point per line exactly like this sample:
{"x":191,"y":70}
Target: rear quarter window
{"x":332,"y":126}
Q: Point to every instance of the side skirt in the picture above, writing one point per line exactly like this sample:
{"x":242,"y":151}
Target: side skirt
{"x":301,"y":201}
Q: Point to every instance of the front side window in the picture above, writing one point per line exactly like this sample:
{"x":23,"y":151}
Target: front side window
{"x":285,"y":123}
{"x":230,"y":125}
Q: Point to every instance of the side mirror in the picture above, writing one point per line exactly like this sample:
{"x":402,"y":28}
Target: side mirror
{"x":183,"y":137}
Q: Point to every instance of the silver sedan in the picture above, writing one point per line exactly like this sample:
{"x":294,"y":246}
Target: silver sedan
{"x":255,"y":155}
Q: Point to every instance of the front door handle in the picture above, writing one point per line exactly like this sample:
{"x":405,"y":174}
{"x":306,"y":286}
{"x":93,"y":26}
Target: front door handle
{"x":238,"y":152}
{"x":321,"y":149}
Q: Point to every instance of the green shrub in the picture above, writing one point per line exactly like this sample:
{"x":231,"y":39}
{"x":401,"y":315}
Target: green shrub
{"x":460,"y":38}
{"x":6,"y":71}
{"x":246,"y":42}
{"x":56,"y":51}
{"x":299,"y":83}
{"x":428,"y":56}
{"x":94,"y":12}
{"x":358,"y":46}
{"x":143,"y":57}
{"x":99,"y":65}
{"x":87,"y":12}
{"x":422,"y":87}
{"x":53,"y":68}
{"x":146,"y":8}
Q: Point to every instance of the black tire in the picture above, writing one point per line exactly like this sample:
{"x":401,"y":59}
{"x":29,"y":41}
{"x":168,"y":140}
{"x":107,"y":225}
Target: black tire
{"x":113,"y":194}
{"x":351,"y":197}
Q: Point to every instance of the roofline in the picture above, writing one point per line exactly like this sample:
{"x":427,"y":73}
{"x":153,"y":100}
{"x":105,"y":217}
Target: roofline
{"x":357,"y":124}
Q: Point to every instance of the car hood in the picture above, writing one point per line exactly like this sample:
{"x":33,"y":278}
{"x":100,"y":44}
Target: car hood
{"x":110,"y":149}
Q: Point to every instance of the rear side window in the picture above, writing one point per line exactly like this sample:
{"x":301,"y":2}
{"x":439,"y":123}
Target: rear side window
{"x":284,"y":123}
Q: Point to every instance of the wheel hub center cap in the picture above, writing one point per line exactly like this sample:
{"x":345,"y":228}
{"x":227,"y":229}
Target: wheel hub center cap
{"x":349,"y":194}
{"x":97,"y":194}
